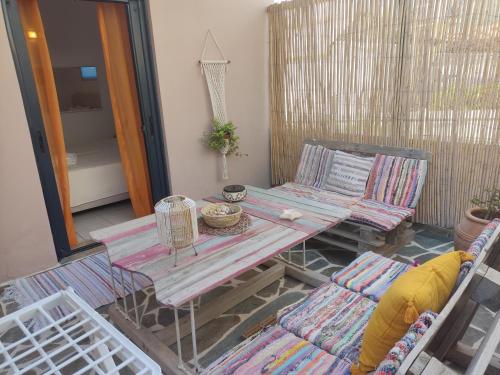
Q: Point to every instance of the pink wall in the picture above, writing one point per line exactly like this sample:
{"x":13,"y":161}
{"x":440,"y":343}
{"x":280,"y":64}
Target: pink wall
{"x":179,"y":29}
{"x":25,"y":240}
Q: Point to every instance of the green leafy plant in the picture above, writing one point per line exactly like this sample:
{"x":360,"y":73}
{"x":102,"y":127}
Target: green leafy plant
{"x":489,"y":201}
{"x":221,"y":135}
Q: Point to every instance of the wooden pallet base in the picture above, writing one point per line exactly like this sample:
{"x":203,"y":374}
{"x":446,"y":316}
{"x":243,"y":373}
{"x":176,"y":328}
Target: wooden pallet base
{"x":156,"y":344}
{"x":360,"y":238}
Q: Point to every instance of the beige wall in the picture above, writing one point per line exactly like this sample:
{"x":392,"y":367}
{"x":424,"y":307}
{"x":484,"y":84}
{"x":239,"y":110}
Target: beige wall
{"x":25,"y":240}
{"x":179,"y":28}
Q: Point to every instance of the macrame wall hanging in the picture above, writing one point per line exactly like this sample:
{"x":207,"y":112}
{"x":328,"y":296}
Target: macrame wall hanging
{"x":215,"y":74}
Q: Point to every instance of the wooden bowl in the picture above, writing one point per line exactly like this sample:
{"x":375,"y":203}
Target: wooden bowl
{"x":221,"y":215}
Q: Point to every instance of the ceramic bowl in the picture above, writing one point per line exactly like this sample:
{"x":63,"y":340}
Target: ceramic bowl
{"x":234,"y":193}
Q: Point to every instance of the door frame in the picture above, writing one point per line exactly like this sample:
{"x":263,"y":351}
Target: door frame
{"x":147,"y":90}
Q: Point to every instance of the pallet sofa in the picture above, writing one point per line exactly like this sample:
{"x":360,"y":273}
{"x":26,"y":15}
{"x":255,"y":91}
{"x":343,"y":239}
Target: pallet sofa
{"x":322,"y":334}
{"x":381,"y":186}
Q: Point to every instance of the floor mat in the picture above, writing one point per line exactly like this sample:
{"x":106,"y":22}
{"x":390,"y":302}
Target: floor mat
{"x":89,"y":277}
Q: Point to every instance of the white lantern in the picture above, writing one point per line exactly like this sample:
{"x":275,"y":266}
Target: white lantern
{"x":177,"y":223}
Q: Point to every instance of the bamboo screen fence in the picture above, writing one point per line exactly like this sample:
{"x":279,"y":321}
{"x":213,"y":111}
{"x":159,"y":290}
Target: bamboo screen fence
{"x":410,"y":73}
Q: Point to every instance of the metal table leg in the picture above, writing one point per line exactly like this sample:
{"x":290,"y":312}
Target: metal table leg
{"x":304,"y":255}
{"x":113,"y":281}
{"x":180,"y":363}
{"x":134,"y":299}
{"x":124,"y":295}
{"x":193,"y":337}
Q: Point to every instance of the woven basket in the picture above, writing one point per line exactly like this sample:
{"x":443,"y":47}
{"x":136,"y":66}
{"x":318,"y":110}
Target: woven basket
{"x":215,"y":220}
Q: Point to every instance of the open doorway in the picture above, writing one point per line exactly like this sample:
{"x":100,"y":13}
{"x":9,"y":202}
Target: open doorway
{"x":98,"y":190}
{"x":86,"y":77}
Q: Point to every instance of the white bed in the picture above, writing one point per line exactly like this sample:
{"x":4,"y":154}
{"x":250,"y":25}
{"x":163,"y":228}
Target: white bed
{"x":97,"y":177}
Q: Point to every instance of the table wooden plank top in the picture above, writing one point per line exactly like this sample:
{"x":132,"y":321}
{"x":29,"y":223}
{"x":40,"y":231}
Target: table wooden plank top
{"x":269,"y":204}
{"x":134,"y":246}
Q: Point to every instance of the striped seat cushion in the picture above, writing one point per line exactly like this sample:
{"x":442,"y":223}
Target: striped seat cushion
{"x":313,"y":161}
{"x":276,"y":351}
{"x":379,"y":215}
{"x":348,"y":174}
{"x":332,"y":318}
{"x":370,"y":275}
{"x":396,"y":180}
{"x":317,"y":195}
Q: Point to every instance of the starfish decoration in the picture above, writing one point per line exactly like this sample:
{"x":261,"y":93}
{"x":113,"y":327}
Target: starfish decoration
{"x":290,"y":214}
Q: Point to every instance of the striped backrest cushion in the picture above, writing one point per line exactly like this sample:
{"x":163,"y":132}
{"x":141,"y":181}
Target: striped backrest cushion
{"x":396,"y":180}
{"x":325,"y":166}
{"x":348,"y":174}
{"x":312,"y":165}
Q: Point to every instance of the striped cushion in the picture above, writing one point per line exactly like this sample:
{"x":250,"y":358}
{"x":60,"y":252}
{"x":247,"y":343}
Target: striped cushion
{"x":316,"y":194}
{"x":276,"y":351}
{"x":332,"y":318}
{"x":476,"y":248}
{"x":378,"y":214}
{"x":370,"y":275}
{"x":325,"y":165}
{"x":348,"y":174}
{"x":396,"y":180}
{"x":309,"y":165}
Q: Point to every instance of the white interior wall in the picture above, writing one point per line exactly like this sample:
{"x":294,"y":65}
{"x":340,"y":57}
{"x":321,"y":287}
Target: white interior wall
{"x":73,"y":37}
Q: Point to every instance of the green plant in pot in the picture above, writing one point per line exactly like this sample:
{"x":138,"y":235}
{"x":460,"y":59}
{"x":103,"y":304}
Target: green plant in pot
{"x":486,"y":208}
{"x":222,"y":138}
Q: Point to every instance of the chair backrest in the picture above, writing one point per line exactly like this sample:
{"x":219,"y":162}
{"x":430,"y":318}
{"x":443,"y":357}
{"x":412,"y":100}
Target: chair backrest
{"x":490,"y":241}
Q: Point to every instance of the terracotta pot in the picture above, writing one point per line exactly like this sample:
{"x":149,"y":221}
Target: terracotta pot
{"x":469,"y":228}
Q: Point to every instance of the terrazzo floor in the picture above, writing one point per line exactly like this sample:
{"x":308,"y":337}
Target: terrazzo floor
{"x":223,"y":333}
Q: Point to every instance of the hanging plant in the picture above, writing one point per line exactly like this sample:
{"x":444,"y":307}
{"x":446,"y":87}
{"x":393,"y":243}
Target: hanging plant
{"x":222,"y":137}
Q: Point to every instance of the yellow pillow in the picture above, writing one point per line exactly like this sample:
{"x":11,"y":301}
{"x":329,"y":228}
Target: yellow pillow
{"x":427,"y":287}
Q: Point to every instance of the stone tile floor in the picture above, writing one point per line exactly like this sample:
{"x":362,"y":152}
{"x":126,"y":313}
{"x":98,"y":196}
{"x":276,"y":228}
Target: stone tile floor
{"x":225,"y":332}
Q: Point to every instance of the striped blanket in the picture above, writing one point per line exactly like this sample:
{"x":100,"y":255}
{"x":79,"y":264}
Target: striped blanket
{"x":316,"y":194}
{"x":379,"y":215}
{"x":89,"y":277}
{"x":370,"y":275}
{"x":332,"y":318}
{"x":396,"y":180}
{"x":275,"y":351}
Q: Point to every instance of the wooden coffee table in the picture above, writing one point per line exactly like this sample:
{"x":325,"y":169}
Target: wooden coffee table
{"x":134,"y":247}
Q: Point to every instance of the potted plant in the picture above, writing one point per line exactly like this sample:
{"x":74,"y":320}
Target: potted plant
{"x":222,"y":138}
{"x":486,"y":208}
